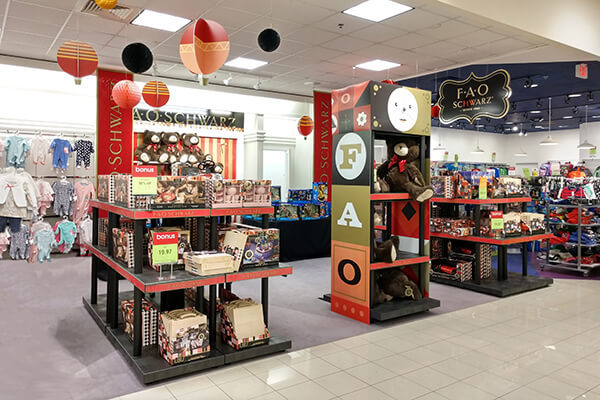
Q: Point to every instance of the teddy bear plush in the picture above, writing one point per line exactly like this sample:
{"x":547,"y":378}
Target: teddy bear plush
{"x":400,"y":174}
{"x":191,"y":153}
{"x":170,"y":141}
{"x":395,"y":283}
{"x":148,"y":150}
{"x":387,"y":251}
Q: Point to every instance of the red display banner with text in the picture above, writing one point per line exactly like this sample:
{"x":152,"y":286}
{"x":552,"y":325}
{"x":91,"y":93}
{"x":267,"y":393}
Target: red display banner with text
{"x":115,"y":127}
{"x":322,"y":146}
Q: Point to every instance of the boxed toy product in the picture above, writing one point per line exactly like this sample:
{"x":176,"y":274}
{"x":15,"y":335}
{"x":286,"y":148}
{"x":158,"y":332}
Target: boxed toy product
{"x":286,"y":212}
{"x":319,"y":191}
{"x":226,"y":193}
{"x":183,"y":246}
{"x":105,"y":188}
{"x":261,"y":248}
{"x":182,"y":192}
{"x":443,"y":186}
{"x":257,"y":193}
{"x":452,"y":269}
{"x":275,"y":194}
{"x":533,"y":223}
{"x":183,"y":335}
{"x":512,"y":224}
{"x":325,"y":209}
{"x":208,"y":263}
{"x":300,"y":195}
{"x":512,"y":186}
{"x":310,"y":211}
{"x":123,"y":193}
{"x":242,"y":322}
{"x":464,"y":190}
{"x":123,"y":247}
{"x":149,"y":321}
{"x":466,"y":251}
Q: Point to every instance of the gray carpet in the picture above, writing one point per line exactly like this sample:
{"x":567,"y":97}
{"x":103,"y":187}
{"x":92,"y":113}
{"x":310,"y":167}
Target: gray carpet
{"x":51,"y":348}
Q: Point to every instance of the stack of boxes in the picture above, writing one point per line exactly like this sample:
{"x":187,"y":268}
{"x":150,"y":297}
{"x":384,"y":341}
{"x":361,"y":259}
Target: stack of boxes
{"x":149,"y":321}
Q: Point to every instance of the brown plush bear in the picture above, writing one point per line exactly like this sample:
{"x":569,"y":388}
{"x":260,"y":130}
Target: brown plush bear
{"x":191,"y":153}
{"x":395,"y":283}
{"x":387,"y":251}
{"x":148,"y":150}
{"x":170,"y":142}
{"x":400,"y":174}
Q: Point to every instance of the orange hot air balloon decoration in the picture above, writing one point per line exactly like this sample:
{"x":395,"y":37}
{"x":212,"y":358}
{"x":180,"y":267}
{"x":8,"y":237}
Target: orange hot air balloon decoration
{"x":204,"y":47}
{"x":305,"y":126}
{"x":156,"y":93}
{"x":106,"y":4}
{"x":78,"y":59}
{"x":126,"y":94}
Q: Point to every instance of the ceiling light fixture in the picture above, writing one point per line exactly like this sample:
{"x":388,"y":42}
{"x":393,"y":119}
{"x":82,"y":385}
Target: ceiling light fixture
{"x":377,"y":10}
{"x":535,"y":112}
{"x":377,"y":65}
{"x":521,"y":153}
{"x":549,"y":141}
{"x":538,"y":103}
{"x":575,"y":95}
{"x":567,"y":117}
{"x":534,"y":85}
{"x":227,"y":80}
{"x":585,"y":145}
{"x":158,"y":20}
{"x":478,"y":150}
{"x":590,"y":96}
{"x":257,"y":85}
{"x":245,"y":63}
{"x":515,"y":128}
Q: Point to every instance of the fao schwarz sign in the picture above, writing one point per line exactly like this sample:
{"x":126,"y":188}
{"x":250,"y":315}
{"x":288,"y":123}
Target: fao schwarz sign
{"x":475,"y":97}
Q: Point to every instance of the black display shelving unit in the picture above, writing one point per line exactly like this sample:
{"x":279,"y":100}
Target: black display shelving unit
{"x":164,"y":292}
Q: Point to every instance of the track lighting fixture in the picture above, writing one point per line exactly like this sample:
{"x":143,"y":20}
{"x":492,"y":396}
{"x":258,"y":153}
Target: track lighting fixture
{"x":567,"y":100}
{"x":513,"y":106}
{"x":590,"y":96}
{"x":527,"y":83}
{"x":257,"y":85}
{"x":227,"y":80}
{"x":539,"y":104}
{"x":575,"y":110}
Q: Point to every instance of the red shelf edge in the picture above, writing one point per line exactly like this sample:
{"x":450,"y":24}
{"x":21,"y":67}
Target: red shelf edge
{"x":390,"y":196}
{"x":515,"y":240}
{"x":380,"y":227}
{"x":484,"y":201}
{"x":398,"y":263}
{"x":130,"y":277}
{"x":248,"y":275}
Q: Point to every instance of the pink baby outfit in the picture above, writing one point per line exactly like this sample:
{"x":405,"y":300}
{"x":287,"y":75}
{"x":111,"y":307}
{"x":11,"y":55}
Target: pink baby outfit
{"x":84,"y":190}
{"x":45,"y":199}
{"x":39,"y":150}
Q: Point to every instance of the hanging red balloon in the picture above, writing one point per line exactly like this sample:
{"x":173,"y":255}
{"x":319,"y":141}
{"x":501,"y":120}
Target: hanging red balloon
{"x":126,"y":94}
{"x":78,"y":59}
{"x":305,"y":126}
{"x":435,"y":111}
{"x":204,"y":47}
{"x":156,"y":93}
{"x":106,"y":4}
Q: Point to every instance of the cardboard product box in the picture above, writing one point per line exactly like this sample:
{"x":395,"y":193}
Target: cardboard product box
{"x":257,"y":193}
{"x":310,"y":211}
{"x":123,"y":246}
{"x":227,"y":193}
{"x":437,"y":248}
{"x":534,"y":223}
{"x":512,"y":224}
{"x":183,"y":336}
{"x":496,"y":189}
{"x":103,"y":232}
{"x":123,"y":193}
{"x":455,"y":270}
{"x":458,"y":227}
{"x":325,"y":209}
{"x":242,"y":324}
{"x":104,"y":191}
{"x":261,"y":248}
{"x":205,"y":263}
{"x":464,"y":190}
{"x":466,"y":251}
{"x":300,"y":195}
{"x":183,"y":246}
{"x":234,"y":243}
{"x":443,"y":186}
{"x":286,"y":212}
{"x":512,"y":185}
{"x":275,"y":194}
{"x":320,"y":191}
{"x":182,"y":192}
{"x":149,"y":321}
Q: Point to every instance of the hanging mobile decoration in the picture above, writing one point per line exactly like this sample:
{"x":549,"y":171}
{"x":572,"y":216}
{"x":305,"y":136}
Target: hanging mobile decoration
{"x":78,"y":59}
{"x":106,"y":4}
{"x":137,"y":58}
{"x":156,"y":93}
{"x":204,"y":47}
{"x":126,"y":94}
{"x":269,"y":40}
{"x":305,"y":126}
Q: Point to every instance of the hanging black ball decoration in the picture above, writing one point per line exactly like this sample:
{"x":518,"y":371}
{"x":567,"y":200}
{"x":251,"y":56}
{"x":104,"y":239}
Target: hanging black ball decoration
{"x":269,"y":40}
{"x":137,"y":58}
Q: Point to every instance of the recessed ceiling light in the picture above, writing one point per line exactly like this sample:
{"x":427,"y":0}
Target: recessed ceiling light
{"x":533,"y":85}
{"x":596,"y":116}
{"x":535,"y":112}
{"x":378,"y":65}
{"x":575,"y":95}
{"x":568,"y":117}
{"x":563,"y":126}
{"x":245,"y":63}
{"x":515,"y":128}
{"x":377,"y":10}
{"x":509,"y":122}
{"x":538,"y":127}
{"x":158,"y":20}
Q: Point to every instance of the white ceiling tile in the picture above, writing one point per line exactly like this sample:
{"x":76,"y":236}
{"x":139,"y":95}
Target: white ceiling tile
{"x":275,"y":69}
{"x":288,"y":46}
{"x":298,"y":61}
{"x":312,"y":35}
{"x":470,"y":55}
{"x":96,"y":40}
{"x":410,"y":41}
{"x":230,"y":19}
{"x":449,"y":29}
{"x":27,"y":38}
{"x":346,"y":43}
{"x":34,"y":12}
{"x":259,"y":54}
{"x":505,"y":46}
{"x":322,"y":53}
{"x":442,"y":9}
{"x":67,"y":5}
{"x":297,"y":11}
{"x":440,"y":49}
{"x":146,"y":35}
{"x":187,"y":9}
{"x":244,"y":38}
{"x":477,"y":38}
{"x":349,"y":23}
{"x":284,"y":28}
{"x":414,"y":20}
{"x":335,"y":5}
{"x":349,"y":59}
{"x":28,"y":26}
{"x":95,"y":23}
{"x":381,"y":52}
{"x":378,"y":33}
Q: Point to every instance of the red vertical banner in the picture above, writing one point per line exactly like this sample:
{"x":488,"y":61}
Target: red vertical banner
{"x":323,"y":155}
{"x":115,"y":127}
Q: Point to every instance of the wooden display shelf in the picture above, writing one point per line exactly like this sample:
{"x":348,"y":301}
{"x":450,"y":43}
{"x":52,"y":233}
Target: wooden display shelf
{"x":400,"y":308}
{"x":389,"y":196}
{"x":482,"y":201}
{"x":498,"y":242}
{"x":514,"y":284}
{"x":138,"y":214}
{"x":403,"y":258}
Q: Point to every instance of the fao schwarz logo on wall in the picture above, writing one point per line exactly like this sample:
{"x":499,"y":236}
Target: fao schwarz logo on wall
{"x":475,"y":97}
{"x":350,"y":156}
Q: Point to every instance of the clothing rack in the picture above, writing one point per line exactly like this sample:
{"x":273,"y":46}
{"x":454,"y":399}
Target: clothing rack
{"x":46,"y":132}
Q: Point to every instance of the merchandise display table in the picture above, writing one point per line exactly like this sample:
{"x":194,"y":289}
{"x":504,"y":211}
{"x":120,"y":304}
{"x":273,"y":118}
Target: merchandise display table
{"x":503,"y":283}
{"x":104,"y":309}
{"x":301,"y":239}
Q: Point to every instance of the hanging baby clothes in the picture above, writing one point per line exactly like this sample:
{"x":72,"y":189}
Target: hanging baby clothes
{"x":84,"y":149}
{"x":62,"y":149}
{"x":85,"y":228}
{"x":64,"y":196}
{"x":46,"y":193}
{"x":19,"y":244}
{"x":39,"y":150}
{"x":16,"y":148}
{"x":17,"y":198}
{"x":84,"y":192}
{"x":45,"y":241}
{"x":65,"y":233}
{"x":33,"y":248}
{"x":1,"y":145}
{"x":4,"y":242}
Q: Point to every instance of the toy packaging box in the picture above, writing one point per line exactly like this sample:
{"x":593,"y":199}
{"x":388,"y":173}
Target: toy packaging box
{"x":325,"y":209}
{"x":205,"y":263}
{"x":257,"y":193}
{"x":310,"y":211}
{"x":181,"y":192}
{"x":533,"y":223}
{"x":319,"y":191}
{"x":261,"y":248}
{"x":512,"y":224}
{"x":123,"y":247}
{"x":227,"y":193}
{"x":105,"y":190}
{"x":183,"y":246}
{"x":242,"y":323}
{"x":149,"y":321}
{"x":300,"y":195}
{"x":275,"y":194}
{"x":123,"y":193}
{"x":443,"y":186}
{"x":466,"y":251}
{"x":183,"y":336}
{"x":455,"y":270}
{"x":233,"y":244}
{"x":512,"y":185}
{"x":286,"y":212}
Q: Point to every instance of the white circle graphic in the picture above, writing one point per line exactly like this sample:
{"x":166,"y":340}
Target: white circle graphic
{"x":350,"y":156}
{"x":402,"y":109}
{"x":334,"y":124}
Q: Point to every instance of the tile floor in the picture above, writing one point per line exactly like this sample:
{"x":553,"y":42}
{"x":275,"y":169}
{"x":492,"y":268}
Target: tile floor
{"x":542,"y":345}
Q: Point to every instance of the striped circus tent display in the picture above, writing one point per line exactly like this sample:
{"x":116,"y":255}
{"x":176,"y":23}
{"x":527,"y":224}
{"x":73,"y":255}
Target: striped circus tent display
{"x":78,"y":59}
{"x":156,"y":93}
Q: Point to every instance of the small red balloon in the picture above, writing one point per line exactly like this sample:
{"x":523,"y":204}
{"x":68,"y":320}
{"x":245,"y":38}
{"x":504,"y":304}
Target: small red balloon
{"x":391,"y":82}
{"x":435,"y":111}
{"x":305,"y":125}
{"x":126,"y":94}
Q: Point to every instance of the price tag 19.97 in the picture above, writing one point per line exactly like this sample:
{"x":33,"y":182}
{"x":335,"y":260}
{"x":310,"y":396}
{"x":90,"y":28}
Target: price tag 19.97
{"x":165,"y":248}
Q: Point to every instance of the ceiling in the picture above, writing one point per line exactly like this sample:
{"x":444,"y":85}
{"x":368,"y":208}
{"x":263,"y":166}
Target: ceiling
{"x":315,"y":52}
{"x":529,"y":109}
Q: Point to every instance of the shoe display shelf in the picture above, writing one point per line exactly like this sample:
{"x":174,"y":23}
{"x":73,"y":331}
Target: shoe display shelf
{"x":501,"y":283}
{"x":165,"y":291}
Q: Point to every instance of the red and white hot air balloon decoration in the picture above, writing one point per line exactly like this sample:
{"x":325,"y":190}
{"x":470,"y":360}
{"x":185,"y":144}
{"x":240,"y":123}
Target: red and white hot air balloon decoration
{"x":156,"y":93}
{"x":126,"y":94}
{"x":78,"y":59}
{"x":204,"y":47}
{"x":305,"y":126}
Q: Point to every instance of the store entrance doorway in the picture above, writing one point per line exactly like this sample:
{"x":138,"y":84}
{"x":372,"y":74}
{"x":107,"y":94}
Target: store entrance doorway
{"x":276,"y":167}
